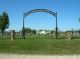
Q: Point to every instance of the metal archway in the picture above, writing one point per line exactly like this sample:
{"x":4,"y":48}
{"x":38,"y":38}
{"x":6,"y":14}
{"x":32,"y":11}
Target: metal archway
{"x":40,"y":10}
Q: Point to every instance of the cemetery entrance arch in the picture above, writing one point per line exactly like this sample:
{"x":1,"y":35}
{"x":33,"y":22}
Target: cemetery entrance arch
{"x":40,"y":10}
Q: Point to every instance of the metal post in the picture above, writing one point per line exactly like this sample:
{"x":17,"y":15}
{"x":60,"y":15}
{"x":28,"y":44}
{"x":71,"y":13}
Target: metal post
{"x":56,"y":27}
{"x":23,"y":29}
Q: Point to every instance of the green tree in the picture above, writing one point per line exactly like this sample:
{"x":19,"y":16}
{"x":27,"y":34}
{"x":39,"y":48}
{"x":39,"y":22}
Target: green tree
{"x":34,"y":31}
{"x":4,"y":22}
{"x":0,"y":22}
{"x":79,"y":31}
{"x":28,"y":30}
{"x":51,"y":32}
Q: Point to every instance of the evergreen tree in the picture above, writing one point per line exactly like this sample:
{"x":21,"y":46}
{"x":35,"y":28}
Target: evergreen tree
{"x":4,"y":22}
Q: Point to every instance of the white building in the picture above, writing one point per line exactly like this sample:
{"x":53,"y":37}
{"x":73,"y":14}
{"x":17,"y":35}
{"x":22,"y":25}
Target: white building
{"x":43,"y":32}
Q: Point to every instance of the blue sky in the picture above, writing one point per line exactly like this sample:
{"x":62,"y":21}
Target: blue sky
{"x":68,"y":13}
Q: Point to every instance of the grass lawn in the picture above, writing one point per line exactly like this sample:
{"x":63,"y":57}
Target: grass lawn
{"x":40,"y":46}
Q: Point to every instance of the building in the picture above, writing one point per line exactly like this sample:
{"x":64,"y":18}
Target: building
{"x":43,"y":32}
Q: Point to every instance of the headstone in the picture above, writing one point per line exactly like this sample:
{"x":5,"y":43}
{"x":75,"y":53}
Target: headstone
{"x":12,"y":34}
{"x":69,"y":35}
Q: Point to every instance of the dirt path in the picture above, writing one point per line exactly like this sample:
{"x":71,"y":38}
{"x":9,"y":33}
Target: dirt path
{"x":16,"y":56}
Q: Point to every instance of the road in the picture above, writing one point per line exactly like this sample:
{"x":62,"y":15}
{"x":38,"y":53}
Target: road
{"x":16,"y":56}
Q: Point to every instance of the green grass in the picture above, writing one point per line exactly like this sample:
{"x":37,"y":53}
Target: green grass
{"x":40,"y":46}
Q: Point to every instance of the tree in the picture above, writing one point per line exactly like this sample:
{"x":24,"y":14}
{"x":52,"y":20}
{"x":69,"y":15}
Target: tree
{"x":34,"y":31}
{"x":51,"y":32}
{"x":4,"y":22}
{"x":28,"y":30}
{"x":0,"y":22}
{"x":79,"y":31}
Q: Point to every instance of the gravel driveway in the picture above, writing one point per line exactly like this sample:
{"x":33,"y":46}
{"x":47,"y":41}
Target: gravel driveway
{"x":16,"y":56}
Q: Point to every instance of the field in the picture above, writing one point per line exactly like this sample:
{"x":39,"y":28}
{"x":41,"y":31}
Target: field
{"x":40,"y":45}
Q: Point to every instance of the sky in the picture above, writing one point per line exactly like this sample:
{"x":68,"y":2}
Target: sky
{"x":68,"y":14}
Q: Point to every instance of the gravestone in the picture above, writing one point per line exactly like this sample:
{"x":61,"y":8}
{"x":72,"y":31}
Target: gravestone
{"x":12,"y":34}
{"x":69,"y":35}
